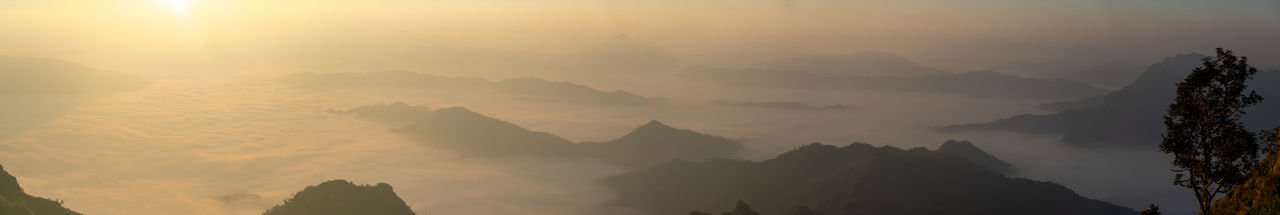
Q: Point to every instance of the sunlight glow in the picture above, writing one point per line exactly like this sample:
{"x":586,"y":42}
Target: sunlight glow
{"x":180,"y":7}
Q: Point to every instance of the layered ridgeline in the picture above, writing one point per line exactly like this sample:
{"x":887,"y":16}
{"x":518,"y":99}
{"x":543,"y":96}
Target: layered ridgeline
{"x":855,"y":179}
{"x":524,"y":88}
{"x":44,"y":75}
{"x":1131,"y":116}
{"x":462,"y":130}
{"x":888,"y":72}
{"x":14,"y":201}
{"x":340,"y":197}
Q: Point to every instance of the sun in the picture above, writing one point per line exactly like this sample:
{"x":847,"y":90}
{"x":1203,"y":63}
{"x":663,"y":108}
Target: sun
{"x":177,"y":6}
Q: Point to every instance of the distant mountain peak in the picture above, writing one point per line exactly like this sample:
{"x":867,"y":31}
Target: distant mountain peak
{"x":968,"y":151}
{"x":655,"y":124}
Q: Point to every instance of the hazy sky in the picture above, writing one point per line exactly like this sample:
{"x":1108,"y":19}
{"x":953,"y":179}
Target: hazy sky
{"x":953,"y":35}
{"x":184,"y":140}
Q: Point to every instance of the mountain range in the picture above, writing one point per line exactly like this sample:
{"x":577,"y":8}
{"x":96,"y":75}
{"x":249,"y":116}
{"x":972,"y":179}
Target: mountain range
{"x":529,"y":88}
{"x":463,"y":130}
{"x":854,"y":179}
{"x":1131,"y":116}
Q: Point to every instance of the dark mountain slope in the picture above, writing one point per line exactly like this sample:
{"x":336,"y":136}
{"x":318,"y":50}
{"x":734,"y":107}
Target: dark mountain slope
{"x":855,"y":179}
{"x":968,"y":151}
{"x":340,"y":197}
{"x":14,"y":201}
{"x":655,"y":143}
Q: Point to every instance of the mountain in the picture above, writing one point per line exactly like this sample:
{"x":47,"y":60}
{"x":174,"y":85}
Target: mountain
{"x":14,"y":201}
{"x":529,"y":88}
{"x":45,"y":75}
{"x":982,"y":84}
{"x":792,"y":106}
{"x":854,"y":179}
{"x":340,"y":197}
{"x":1131,"y":116}
{"x":463,"y":130}
{"x":655,"y":143}
{"x":1109,"y":76}
{"x":873,"y":64}
{"x":968,"y":151}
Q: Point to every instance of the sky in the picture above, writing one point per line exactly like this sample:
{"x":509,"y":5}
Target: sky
{"x":1018,"y":36}
{"x":214,"y":122}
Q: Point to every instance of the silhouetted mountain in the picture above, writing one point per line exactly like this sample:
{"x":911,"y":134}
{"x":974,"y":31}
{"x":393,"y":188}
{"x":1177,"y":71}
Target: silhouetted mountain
{"x":792,"y":106}
{"x":1109,"y":76}
{"x":460,"y":129}
{"x":525,"y":88}
{"x":14,"y":201}
{"x":44,"y":75}
{"x":968,"y":151}
{"x":855,"y":179}
{"x":1132,"y":116}
{"x":465,"y":131}
{"x":975,"y":84}
{"x":655,"y":143}
{"x":340,"y":197}
{"x":873,"y":64}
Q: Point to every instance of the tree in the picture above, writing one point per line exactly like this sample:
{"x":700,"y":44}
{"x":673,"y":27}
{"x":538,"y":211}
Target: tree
{"x":1212,"y":149}
{"x":1152,"y":210}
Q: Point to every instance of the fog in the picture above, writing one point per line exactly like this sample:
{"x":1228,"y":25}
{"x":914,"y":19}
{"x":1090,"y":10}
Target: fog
{"x":215,"y":129}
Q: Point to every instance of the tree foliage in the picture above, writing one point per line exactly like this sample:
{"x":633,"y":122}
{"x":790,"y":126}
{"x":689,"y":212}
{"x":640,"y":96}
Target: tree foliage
{"x":1212,"y":149}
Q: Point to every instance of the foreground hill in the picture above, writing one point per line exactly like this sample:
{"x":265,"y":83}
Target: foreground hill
{"x":525,"y":88}
{"x":465,"y":131}
{"x":1132,"y":116}
{"x":45,"y":75}
{"x":14,"y":201}
{"x":340,"y":197}
{"x":855,"y":179}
